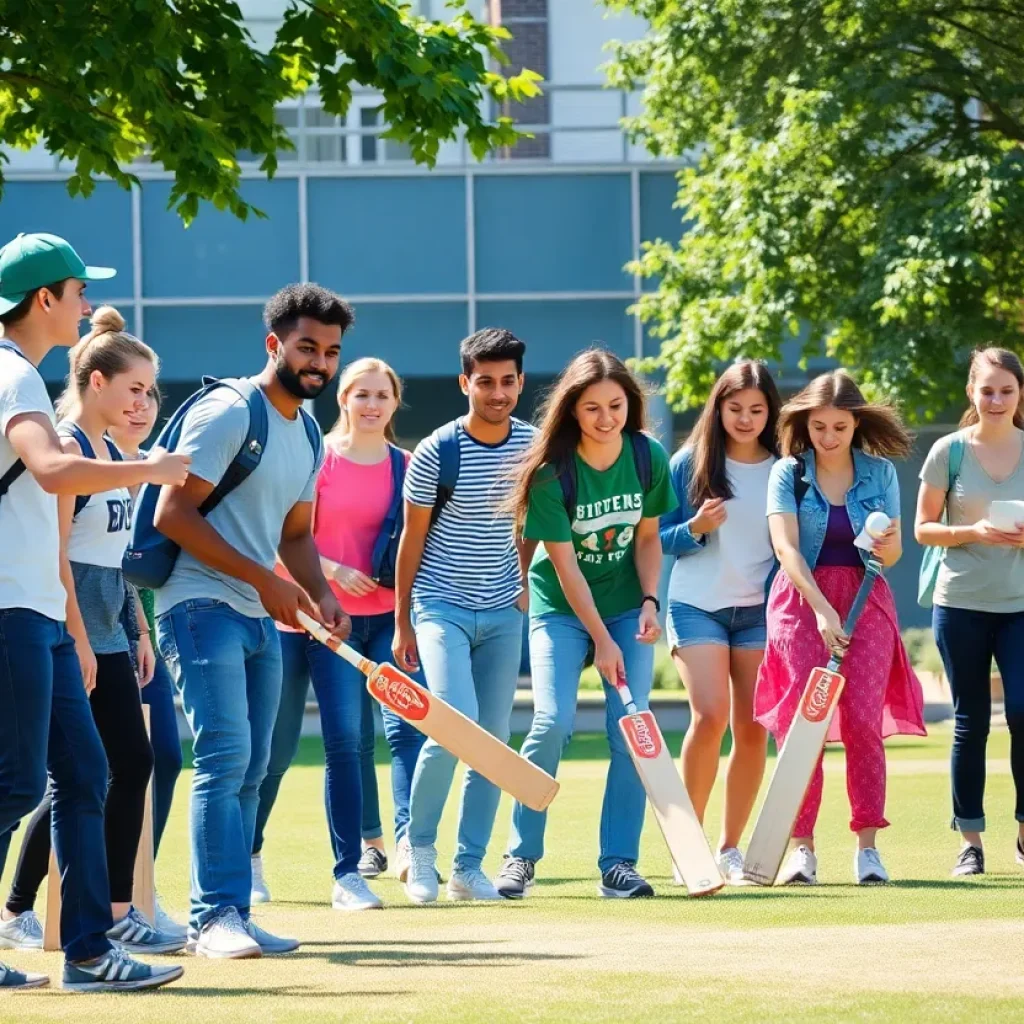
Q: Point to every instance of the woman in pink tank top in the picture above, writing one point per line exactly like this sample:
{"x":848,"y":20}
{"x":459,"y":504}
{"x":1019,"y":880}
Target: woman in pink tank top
{"x":358,"y":491}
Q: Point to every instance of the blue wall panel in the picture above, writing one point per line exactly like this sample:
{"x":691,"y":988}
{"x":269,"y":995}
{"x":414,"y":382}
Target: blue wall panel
{"x":223,"y":341}
{"x":418,"y":339}
{"x":219,"y":254}
{"x":373,"y":236}
{"x":552,"y":233}
{"x":554,"y":331}
{"x":100,"y":228}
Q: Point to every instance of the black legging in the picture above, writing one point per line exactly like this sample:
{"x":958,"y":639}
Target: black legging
{"x":117,"y":710}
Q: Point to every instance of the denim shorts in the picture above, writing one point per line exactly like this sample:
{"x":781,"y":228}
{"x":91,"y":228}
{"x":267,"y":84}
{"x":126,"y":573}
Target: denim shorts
{"x":727,"y":627}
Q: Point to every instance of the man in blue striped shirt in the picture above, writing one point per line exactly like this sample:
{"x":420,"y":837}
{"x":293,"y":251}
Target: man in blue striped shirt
{"x":460,"y":601}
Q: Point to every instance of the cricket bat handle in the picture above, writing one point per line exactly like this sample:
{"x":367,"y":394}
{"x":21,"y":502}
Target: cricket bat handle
{"x":871,"y":573}
{"x":326,"y":637}
{"x":626,"y":694}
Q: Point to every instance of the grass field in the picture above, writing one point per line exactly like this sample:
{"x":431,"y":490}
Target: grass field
{"x":926,"y":948}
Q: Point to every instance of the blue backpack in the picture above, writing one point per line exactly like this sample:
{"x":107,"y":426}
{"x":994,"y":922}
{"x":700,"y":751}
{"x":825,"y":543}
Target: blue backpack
{"x":641,"y":458}
{"x":68,"y":429}
{"x":385,"y":548}
{"x":150,"y":557}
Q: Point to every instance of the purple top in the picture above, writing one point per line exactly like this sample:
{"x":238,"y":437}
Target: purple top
{"x":838,"y":547}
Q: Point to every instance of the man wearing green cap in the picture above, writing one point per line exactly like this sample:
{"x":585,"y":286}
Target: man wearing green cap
{"x":45,"y":721}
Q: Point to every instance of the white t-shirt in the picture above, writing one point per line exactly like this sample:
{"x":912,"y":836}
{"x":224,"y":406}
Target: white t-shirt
{"x":730,"y":570}
{"x":29,"y":534}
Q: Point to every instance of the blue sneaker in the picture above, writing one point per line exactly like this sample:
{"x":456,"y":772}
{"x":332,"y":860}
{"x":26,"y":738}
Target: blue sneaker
{"x":11,"y":979}
{"x":116,"y":971}
{"x":135,"y":934}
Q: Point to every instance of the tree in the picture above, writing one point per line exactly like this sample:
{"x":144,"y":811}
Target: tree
{"x":857,"y":181}
{"x":102,"y":81}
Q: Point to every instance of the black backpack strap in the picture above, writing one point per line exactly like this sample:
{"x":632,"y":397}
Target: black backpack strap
{"x":249,"y":455}
{"x":14,"y":471}
{"x":567,"y":480}
{"x":642,"y":458}
{"x":800,"y":485}
{"x":448,"y":466}
{"x":314,"y":435}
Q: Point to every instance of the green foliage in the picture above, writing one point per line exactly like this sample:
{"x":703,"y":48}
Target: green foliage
{"x":856,"y":181}
{"x":102,"y":81}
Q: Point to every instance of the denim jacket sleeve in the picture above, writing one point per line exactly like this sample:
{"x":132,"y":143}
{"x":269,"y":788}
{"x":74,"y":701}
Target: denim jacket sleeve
{"x":892,"y":491}
{"x":676,"y":538}
{"x":781,"y":490}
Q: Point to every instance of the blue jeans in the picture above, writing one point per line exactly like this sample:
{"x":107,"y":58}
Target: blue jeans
{"x":471,"y":660}
{"x":968,"y":641}
{"x":228,"y":669}
{"x":340,"y":689}
{"x":163,"y":736}
{"x":46,"y":725}
{"x":558,"y":647}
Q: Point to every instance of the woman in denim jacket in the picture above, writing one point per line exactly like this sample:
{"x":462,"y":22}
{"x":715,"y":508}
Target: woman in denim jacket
{"x":716,"y":595}
{"x":835,"y":474}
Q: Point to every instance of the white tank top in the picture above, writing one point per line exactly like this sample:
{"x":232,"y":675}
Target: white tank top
{"x":101,"y":531}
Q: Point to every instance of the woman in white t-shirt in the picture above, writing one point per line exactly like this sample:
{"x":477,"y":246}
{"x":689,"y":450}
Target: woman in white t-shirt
{"x":724,"y":562}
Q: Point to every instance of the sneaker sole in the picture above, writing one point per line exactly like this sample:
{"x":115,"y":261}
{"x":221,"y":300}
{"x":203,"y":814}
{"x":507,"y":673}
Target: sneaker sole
{"x":369,"y":874}
{"x":420,"y":900}
{"x":515,"y":894}
{"x":125,"y":986}
{"x":359,"y":906}
{"x":234,"y":954}
{"x":641,"y":892}
{"x":463,"y":896}
{"x":21,"y":947}
{"x":799,"y":880}
{"x":152,"y":949}
{"x":259,"y":898}
{"x":873,"y":880}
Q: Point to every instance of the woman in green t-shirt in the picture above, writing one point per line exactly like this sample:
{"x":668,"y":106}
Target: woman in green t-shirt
{"x":590,"y":491}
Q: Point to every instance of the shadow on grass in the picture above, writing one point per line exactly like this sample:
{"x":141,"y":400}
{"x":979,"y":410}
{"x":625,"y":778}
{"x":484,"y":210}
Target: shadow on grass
{"x":951,"y":884}
{"x":389,"y":943}
{"x":246,"y":991}
{"x":398,"y":957}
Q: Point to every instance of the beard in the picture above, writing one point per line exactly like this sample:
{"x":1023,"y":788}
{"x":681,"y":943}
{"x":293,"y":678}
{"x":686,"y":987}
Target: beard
{"x":298,"y":384}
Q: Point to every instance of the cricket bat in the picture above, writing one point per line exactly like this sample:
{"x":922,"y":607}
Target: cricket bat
{"x":459,"y":735}
{"x":143,"y":883}
{"x":798,"y":758}
{"x":684,"y":836}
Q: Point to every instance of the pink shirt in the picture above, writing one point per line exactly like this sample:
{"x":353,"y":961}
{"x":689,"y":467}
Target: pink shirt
{"x":349,"y":506}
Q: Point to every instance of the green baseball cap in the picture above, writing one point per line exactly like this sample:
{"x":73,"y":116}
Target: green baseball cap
{"x":32,"y":261}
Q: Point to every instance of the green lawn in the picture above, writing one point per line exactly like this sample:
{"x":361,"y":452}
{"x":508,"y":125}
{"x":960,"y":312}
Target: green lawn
{"x":924,"y":949}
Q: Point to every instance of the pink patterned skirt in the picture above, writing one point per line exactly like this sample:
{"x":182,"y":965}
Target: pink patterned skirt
{"x":876,"y":665}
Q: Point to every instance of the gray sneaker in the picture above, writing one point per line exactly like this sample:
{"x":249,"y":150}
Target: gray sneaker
{"x":270,"y":945}
{"x":11,"y":980}
{"x":22,"y":932}
{"x":225,"y":937}
{"x":352,"y":893}
{"x":136,"y":935}
{"x":515,"y":879}
{"x":116,"y":971}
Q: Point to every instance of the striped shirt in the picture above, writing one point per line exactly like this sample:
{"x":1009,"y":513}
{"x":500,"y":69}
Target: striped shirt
{"x":469,"y":557}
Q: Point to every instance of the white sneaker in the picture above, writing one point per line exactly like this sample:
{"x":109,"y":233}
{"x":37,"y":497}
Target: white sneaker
{"x":352,"y":893}
{"x":801,"y":868}
{"x":402,"y":859}
{"x":260,"y":893}
{"x":421,"y":879}
{"x":730,"y":863}
{"x":226,"y":938}
{"x":868,"y":868}
{"x":22,"y":932}
{"x":165,"y":923}
{"x":270,"y":945}
{"x":471,"y":884}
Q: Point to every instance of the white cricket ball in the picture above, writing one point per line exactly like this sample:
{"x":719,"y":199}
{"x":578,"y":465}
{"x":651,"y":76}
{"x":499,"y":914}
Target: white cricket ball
{"x":876,"y":524}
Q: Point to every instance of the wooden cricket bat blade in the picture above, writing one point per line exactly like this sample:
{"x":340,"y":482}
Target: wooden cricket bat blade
{"x":673,"y":810}
{"x":495,"y":760}
{"x":794,"y":769}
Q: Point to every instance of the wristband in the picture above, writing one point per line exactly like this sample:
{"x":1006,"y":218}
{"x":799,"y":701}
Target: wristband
{"x":653,"y":600}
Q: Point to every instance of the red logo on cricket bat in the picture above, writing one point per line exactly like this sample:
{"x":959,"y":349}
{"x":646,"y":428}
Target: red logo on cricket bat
{"x":642,"y":734}
{"x":390,"y":687}
{"x":820,"y":695}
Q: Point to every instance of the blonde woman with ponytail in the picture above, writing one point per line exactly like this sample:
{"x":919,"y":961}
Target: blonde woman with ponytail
{"x":358,"y":493}
{"x":978,"y":601}
{"x":112,"y":375}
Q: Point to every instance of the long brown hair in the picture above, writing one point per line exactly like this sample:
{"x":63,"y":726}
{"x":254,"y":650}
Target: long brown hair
{"x":707,"y":441}
{"x":107,"y":348}
{"x":559,"y":433}
{"x":879,"y":429}
{"x":1005,"y":360}
{"x":342,"y":428}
